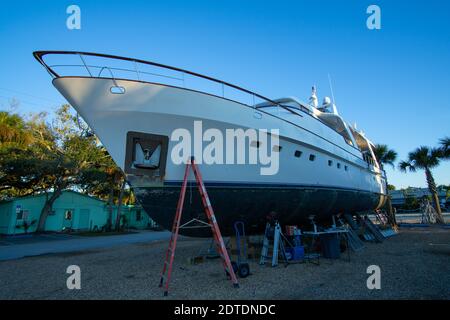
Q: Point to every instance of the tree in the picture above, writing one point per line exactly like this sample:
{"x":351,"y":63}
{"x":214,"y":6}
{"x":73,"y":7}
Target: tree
{"x":391,"y":187}
{"x":385,"y":156}
{"x":70,"y":153}
{"x":17,"y":163}
{"x":425,"y":158}
{"x":41,"y":157}
{"x":445,"y":148}
{"x":14,"y":131}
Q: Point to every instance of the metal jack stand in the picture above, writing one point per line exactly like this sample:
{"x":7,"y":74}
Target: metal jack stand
{"x":278,"y":245}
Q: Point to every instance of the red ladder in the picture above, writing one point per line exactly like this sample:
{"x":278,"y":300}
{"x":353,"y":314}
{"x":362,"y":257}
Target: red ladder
{"x":212,"y":222}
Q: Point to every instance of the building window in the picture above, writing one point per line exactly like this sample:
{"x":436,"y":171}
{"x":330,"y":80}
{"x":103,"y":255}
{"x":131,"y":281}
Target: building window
{"x":277,"y":148}
{"x":312,"y":157}
{"x":138,"y":215}
{"x":298,"y":153}
{"x":338,"y":165}
{"x":68,"y":214}
{"x":330,"y":163}
{"x":19,"y":215}
{"x":255,"y":144}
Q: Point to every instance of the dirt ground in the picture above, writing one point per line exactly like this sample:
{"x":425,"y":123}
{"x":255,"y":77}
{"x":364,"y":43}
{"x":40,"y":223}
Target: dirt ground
{"x":414,"y":265}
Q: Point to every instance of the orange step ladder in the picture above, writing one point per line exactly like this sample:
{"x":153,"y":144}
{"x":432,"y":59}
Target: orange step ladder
{"x":221,"y":249}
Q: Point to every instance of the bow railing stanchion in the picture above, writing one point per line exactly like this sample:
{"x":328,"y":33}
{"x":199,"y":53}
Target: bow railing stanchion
{"x":85,"y":65}
{"x":112,"y":75}
{"x":137,"y":70}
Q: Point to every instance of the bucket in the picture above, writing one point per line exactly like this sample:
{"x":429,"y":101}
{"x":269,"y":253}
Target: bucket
{"x":330,"y":245}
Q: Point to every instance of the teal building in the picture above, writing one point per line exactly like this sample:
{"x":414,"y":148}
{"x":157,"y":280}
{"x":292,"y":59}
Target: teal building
{"x":72,"y":211}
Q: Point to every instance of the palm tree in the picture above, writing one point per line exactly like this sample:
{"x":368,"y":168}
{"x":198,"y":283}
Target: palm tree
{"x":388,"y":156}
{"x":425,"y":158}
{"x":385,"y":155}
{"x":445,"y":147}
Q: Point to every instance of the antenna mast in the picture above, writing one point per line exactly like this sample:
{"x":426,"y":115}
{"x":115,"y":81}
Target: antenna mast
{"x":331,"y":88}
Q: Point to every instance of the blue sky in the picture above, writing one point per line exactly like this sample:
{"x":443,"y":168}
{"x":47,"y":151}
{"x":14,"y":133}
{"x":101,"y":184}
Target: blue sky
{"x":394,"y":82}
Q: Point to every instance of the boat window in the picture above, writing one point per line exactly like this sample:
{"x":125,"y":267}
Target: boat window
{"x":117,"y":90}
{"x":338,"y":165}
{"x":312,"y":157}
{"x":330,"y":163}
{"x":277,"y":148}
{"x":297,"y":153}
{"x":346,"y":168}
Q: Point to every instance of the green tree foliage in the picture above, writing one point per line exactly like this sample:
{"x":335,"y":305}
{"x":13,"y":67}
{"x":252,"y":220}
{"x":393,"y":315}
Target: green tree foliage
{"x":385,"y":155}
{"x":445,"y":147}
{"x":388,"y":156}
{"x":41,"y":157}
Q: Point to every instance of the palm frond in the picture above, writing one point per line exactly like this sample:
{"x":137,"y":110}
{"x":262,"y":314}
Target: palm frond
{"x":385,"y":155}
{"x":405,"y":166}
{"x":445,"y":148}
{"x":425,"y":157}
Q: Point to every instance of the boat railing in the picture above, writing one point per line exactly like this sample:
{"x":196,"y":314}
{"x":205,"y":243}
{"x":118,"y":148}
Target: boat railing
{"x":95,"y":65}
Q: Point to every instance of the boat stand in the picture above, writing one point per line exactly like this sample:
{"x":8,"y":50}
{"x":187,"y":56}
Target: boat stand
{"x":278,"y":245}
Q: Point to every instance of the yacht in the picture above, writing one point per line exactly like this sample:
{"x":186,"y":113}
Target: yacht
{"x":325,"y":166}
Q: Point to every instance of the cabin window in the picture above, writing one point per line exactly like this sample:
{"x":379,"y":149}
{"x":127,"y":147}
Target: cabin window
{"x":298,"y":153}
{"x":312,"y":157}
{"x":276,"y":148}
{"x":338,"y":165}
{"x":346,"y":168}
{"x":255,"y":144}
{"x":138,"y":215}
{"x":330,"y":163}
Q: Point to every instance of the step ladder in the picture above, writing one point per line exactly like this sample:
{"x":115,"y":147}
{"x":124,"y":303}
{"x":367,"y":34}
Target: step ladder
{"x":220,"y":245}
{"x":278,"y":245}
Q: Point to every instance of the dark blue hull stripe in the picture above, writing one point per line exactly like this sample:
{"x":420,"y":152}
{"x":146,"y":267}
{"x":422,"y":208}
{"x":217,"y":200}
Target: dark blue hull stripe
{"x":225,"y":184}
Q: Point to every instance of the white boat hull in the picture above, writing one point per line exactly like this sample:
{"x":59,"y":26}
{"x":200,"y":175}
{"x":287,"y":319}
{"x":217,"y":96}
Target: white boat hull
{"x":238,"y":192}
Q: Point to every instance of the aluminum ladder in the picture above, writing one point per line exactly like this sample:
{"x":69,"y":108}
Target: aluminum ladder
{"x":278,"y":246}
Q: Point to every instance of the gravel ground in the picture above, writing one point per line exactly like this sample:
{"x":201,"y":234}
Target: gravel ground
{"x":414,"y":265}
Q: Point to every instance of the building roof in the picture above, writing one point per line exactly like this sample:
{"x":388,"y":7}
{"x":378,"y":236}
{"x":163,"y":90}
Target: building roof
{"x":43,"y":194}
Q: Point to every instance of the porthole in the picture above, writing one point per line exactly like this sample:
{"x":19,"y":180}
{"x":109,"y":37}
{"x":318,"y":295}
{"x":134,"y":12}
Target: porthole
{"x":312,"y":157}
{"x":346,"y":168}
{"x":298,"y":153}
{"x":338,"y":165}
{"x":330,"y":163}
{"x":277,"y":148}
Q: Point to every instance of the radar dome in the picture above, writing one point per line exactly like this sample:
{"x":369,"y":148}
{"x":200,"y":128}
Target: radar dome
{"x":326,"y":101}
